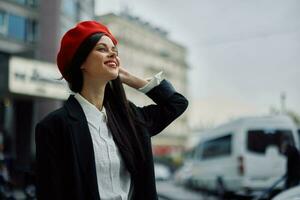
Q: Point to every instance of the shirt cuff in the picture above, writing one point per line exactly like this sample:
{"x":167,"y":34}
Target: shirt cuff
{"x":155,"y":81}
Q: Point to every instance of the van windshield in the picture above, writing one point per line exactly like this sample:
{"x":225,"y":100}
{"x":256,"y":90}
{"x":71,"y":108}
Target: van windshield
{"x":259,"y":139}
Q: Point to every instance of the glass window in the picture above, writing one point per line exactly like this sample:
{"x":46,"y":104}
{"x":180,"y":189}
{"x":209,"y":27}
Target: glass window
{"x":190,"y":154}
{"x":69,"y":8}
{"x":32,"y":3}
{"x":2,"y":18}
{"x":31,"y":30}
{"x":3,"y":22}
{"x":21,"y":2}
{"x":198,"y":151}
{"x":217,"y":147}
{"x":16,"y":27}
{"x":259,"y":140}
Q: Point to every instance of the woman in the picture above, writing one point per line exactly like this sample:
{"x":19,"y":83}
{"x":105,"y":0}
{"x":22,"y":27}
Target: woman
{"x":291,"y":153}
{"x":97,"y":146}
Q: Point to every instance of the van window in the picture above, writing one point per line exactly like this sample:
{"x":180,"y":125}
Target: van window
{"x":190,"y":153}
{"x":259,"y":140}
{"x":217,"y":147}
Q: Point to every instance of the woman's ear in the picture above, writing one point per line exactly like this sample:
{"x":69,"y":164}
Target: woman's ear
{"x":82,"y":67}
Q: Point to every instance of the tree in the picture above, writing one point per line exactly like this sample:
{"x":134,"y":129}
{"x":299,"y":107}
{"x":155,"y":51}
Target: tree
{"x":295,"y":116}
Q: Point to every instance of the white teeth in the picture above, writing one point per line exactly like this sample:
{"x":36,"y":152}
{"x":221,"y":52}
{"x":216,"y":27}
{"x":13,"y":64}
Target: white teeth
{"x":111,"y":63}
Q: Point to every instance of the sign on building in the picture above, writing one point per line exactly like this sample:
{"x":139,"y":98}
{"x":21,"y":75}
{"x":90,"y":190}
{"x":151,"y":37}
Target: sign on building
{"x":36,"y":78}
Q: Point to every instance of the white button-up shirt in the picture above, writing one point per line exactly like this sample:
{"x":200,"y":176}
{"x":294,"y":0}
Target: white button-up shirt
{"x":114,"y":181}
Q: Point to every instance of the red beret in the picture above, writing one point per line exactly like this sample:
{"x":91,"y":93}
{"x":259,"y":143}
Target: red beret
{"x":73,"y":38}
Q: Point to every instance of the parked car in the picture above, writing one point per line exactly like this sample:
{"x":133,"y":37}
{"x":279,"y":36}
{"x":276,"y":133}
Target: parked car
{"x":184,"y":174}
{"x":290,"y":194}
{"x":243,"y":155}
{"x":162,"y":172}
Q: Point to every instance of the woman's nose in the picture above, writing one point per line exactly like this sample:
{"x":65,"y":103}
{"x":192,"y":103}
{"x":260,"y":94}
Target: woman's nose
{"x":112,"y":54}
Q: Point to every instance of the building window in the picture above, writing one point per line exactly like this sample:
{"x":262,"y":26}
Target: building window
{"x":3,"y":22}
{"x":31,"y":30}
{"x":70,"y":8}
{"x":23,"y":2}
{"x":16,"y":27}
{"x":30,"y":3}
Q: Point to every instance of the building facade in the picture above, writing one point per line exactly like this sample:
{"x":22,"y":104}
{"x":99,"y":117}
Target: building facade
{"x":30,"y":85}
{"x":146,"y":50}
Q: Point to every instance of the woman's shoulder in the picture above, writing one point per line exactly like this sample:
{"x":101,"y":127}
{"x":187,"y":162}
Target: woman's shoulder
{"x":52,"y":128}
{"x":55,"y":117}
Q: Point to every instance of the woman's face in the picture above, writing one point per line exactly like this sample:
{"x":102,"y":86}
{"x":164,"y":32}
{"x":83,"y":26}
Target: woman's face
{"x":102,"y":62}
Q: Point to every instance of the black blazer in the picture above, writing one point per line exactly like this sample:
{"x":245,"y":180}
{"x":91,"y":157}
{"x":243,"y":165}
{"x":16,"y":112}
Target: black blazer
{"x":64,"y":149}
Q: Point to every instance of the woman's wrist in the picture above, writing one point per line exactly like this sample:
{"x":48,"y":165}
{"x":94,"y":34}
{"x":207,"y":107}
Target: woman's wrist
{"x":134,"y":82}
{"x":131,"y":80}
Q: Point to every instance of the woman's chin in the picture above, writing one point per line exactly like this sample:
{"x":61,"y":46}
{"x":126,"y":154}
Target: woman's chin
{"x":114,"y":76}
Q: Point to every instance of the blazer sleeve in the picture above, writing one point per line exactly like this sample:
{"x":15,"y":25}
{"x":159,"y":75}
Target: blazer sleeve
{"x":49,"y":183}
{"x":169,"y":105}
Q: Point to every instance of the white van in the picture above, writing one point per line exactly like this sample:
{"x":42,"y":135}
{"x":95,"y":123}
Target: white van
{"x":290,"y":194}
{"x":243,"y":155}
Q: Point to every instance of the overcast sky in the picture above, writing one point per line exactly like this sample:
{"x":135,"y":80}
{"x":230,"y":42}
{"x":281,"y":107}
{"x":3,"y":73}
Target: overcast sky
{"x":243,"y":53}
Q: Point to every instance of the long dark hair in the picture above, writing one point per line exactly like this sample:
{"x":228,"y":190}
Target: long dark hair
{"x":121,"y":120}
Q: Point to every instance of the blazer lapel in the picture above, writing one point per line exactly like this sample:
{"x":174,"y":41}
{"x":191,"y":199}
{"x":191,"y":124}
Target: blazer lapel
{"x":83,"y":145}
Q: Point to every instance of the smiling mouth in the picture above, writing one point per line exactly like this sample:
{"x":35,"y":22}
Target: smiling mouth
{"x":111,"y":64}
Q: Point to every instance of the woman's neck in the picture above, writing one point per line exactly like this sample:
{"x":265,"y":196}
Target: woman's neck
{"x":94,"y":93}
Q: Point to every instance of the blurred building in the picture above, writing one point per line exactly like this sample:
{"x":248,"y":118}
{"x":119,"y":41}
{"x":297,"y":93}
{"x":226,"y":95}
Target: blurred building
{"x":30,"y":88}
{"x":146,"y":50}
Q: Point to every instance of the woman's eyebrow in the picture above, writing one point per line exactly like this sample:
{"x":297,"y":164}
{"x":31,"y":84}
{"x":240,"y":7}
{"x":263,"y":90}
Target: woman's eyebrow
{"x":101,"y":44}
{"x":113,"y":47}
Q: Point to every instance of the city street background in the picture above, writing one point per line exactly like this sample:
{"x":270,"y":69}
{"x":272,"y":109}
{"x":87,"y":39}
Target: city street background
{"x":236,"y":61}
{"x":242,"y":54}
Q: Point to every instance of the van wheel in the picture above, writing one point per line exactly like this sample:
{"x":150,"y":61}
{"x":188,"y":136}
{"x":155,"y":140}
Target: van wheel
{"x":221,"y":191}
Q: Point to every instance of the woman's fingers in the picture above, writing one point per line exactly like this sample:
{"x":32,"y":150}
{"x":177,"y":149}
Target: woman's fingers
{"x":123,"y":74}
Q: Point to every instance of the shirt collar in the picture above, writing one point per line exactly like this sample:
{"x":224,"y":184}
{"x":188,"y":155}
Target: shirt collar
{"x":93,"y":114}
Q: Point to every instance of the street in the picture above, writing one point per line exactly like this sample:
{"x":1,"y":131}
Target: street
{"x":167,"y":190}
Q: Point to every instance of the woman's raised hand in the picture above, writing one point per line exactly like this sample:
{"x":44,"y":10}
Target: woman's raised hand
{"x":131,"y":80}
